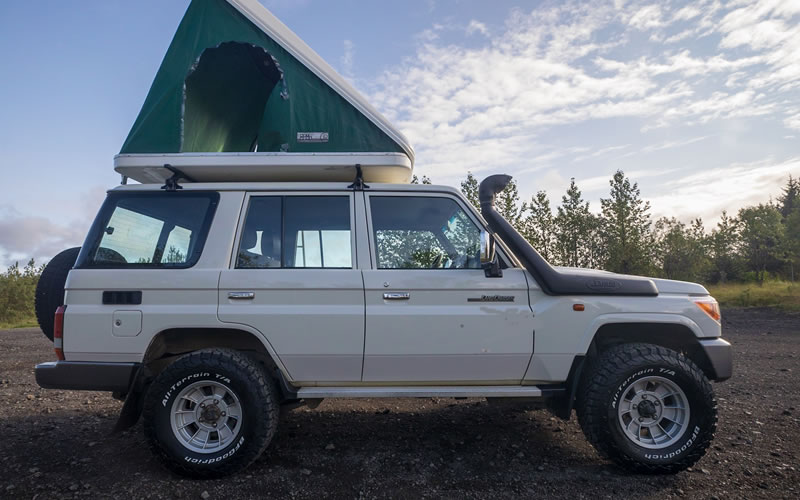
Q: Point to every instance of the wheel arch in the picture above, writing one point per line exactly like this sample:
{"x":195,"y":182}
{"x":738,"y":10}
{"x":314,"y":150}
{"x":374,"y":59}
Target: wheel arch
{"x":666,"y":330}
{"x":171,"y":343}
{"x":676,"y":336}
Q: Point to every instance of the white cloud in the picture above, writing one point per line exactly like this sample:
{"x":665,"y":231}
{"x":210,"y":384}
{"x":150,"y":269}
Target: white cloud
{"x":575,"y":62}
{"x":708,"y":192}
{"x":346,"y":60}
{"x":672,"y":144}
{"x":477,"y":27}
{"x":25,"y":235}
{"x":792,"y":122}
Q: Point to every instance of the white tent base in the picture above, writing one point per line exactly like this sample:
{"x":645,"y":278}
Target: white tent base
{"x":266,"y":167}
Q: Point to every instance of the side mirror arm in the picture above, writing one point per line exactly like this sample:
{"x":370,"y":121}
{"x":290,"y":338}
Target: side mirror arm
{"x":492,"y":269}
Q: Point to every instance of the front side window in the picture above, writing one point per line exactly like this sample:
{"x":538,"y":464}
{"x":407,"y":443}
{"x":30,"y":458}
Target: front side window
{"x":149,"y":230}
{"x":296,"y":232}
{"x":423,"y":233}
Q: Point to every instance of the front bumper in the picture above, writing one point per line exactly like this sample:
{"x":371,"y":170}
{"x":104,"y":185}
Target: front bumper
{"x":86,"y":375}
{"x":720,"y":356}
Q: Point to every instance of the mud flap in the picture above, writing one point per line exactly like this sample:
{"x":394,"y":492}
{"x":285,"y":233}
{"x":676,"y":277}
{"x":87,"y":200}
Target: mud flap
{"x":134,"y":402}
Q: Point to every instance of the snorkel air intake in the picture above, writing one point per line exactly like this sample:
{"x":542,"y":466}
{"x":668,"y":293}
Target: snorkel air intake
{"x":552,"y":281}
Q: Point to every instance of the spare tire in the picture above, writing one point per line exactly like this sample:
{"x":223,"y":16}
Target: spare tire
{"x":50,"y":289}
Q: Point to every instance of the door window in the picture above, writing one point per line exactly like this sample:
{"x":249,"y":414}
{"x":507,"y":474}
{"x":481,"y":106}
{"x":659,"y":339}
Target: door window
{"x":423,"y":233}
{"x":296,"y":232}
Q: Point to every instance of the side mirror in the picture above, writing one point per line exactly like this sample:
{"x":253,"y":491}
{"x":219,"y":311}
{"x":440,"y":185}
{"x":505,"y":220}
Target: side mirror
{"x":489,"y":260}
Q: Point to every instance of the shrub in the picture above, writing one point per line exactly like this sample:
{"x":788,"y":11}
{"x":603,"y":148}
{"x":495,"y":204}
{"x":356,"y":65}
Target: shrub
{"x":17,"y":291}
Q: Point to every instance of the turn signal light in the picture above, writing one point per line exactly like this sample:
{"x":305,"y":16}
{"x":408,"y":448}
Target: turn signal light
{"x":710,"y":306}
{"x":58,"y":332}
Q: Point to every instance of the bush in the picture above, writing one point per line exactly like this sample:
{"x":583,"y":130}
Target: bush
{"x":17,"y":292}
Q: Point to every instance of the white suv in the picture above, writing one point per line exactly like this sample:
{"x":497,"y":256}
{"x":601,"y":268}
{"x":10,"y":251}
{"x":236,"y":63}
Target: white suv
{"x":209,"y":306}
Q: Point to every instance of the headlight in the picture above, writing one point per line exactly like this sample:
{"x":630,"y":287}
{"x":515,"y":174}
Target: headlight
{"x":709,"y":305}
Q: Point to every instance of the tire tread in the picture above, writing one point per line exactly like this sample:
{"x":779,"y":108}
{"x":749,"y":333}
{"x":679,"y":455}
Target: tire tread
{"x":592,"y":402}
{"x":266,"y":412}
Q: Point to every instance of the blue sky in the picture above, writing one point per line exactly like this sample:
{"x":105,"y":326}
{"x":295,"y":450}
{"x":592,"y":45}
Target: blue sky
{"x":699,"y":102}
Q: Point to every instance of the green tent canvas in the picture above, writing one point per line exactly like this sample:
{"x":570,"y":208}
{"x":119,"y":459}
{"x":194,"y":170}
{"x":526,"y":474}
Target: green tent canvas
{"x":236,"y":80}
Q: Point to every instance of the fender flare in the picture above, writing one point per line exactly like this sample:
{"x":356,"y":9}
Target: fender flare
{"x":615,"y":318}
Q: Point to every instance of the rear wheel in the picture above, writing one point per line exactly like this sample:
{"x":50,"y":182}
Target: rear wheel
{"x":648,"y":408}
{"x":211,"y":413}
{"x":50,"y":288}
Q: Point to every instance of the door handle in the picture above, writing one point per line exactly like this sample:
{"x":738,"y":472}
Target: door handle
{"x":396,"y":296}
{"x":241,"y":295}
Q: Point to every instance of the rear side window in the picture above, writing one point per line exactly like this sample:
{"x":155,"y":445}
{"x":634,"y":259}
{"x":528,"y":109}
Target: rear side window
{"x":296,"y":232}
{"x":149,"y":230}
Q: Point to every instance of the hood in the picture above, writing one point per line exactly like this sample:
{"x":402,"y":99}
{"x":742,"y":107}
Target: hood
{"x":663,"y":285}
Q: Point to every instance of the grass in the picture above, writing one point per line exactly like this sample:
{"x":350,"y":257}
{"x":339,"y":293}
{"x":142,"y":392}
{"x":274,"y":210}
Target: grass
{"x":21,"y":323}
{"x":780,"y":294}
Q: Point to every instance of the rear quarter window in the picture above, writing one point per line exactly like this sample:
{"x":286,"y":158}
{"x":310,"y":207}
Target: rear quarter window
{"x":149,"y":230}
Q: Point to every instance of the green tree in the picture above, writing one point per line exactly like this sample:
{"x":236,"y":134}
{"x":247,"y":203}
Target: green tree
{"x":469,"y":187}
{"x":790,"y":199}
{"x":416,"y":180}
{"x":681,"y":250}
{"x":626,"y":228}
{"x":507,"y":205}
{"x":792,"y":241}
{"x":538,"y":225}
{"x":762,"y":238}
{"x":595,"y":250}
{"x":573,"y":226}
{"x":723,"y":244}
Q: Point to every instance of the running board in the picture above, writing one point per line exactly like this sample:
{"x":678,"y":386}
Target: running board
{"x":487,"y":391}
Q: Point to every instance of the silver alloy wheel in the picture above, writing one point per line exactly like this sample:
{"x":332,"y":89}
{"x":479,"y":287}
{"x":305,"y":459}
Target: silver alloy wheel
{"x":206,"y":416}
{"x":653,"y":412}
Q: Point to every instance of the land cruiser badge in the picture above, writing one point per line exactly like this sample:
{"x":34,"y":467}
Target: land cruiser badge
{"x":492,"y":298}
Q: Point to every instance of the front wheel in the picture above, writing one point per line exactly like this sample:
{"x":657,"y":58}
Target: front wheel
{"x":648,"y":408}
{"x":211,"y":413}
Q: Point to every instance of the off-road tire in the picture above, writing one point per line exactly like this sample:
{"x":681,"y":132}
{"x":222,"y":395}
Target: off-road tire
{"x":50,"y":289}
{"x":256,"y":391}
{"x":610,"y":373}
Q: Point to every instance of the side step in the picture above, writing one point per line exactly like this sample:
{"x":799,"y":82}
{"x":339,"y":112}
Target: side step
{"x":487,"y":391}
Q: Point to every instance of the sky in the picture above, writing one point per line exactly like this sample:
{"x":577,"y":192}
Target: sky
{"x":698,"y":102}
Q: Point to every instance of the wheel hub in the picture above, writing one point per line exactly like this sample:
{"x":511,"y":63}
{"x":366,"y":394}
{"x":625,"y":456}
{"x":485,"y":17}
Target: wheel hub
{"x":653,"y":412}
{"x":210,"y":413}
{"x":206,"y":416}
{"x":646,"y":409}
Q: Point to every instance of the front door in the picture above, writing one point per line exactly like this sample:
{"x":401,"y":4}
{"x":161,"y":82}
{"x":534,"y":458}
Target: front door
{"x":432,"y":314}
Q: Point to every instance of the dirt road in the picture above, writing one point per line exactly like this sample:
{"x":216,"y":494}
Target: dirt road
{"x":56,"y":444}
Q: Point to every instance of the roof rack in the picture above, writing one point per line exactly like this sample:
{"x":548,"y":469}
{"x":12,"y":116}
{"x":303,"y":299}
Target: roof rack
{"x":171,"y":184}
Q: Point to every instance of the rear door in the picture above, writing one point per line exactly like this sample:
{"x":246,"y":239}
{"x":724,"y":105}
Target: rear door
{"x":142,"y":270}
{"x":293,"y":278}
{"x":432,"y":314}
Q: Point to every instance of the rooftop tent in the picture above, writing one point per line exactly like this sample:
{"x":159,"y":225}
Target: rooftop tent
{"x":239,"y":96}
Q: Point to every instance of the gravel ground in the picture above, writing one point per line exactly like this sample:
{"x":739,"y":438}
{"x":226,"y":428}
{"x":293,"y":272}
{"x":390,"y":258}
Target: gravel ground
{"x":59,"y":444}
